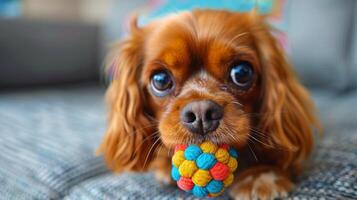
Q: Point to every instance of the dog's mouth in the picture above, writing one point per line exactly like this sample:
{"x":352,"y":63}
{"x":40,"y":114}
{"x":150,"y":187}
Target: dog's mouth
{"x":198,"y":139}
{"x":235,"y":134}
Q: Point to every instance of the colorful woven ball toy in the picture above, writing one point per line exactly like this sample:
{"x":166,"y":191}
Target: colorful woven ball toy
{"x":205,"y":169}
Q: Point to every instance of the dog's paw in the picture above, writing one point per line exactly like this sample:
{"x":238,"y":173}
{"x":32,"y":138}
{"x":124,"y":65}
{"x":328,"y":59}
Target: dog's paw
{"x":264,"y":186}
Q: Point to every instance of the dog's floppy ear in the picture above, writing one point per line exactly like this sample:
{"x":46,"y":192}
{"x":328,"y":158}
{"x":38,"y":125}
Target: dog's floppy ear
{"x":127,"y":139}
{"x":288,"y":116}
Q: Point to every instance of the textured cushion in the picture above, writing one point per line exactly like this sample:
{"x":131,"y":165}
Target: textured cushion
{"x":48,"y":137}
{"x":319,"y":32}
{"x":332,"y":176}
{"x":47,"y":140}
{"x":126,"y":186}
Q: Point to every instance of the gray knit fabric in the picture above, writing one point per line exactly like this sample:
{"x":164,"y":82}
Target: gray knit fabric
{"x":47,"y":141}
{"x":48,"y":138}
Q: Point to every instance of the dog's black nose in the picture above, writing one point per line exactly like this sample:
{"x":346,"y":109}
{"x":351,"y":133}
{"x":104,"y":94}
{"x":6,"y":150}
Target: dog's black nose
{"x":201,"y":117}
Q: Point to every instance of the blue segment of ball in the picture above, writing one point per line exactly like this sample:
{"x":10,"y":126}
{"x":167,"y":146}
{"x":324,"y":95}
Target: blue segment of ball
{"x":199,"y":191}
{"x":214,"y":186}
{"x":192,"y":152}
{"x":206,"y":161}
{"x":233,"y":153}
{"x":175,"y":173}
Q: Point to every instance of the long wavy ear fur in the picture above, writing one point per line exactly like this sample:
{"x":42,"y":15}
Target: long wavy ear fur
{"x":127,"y":139}
{"x":288,"y":114}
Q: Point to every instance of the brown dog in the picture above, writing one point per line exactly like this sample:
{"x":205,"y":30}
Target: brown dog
{"x":208,"y":75}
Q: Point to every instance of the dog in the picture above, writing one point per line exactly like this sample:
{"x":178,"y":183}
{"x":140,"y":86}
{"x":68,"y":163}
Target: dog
{"x":209,"y":75}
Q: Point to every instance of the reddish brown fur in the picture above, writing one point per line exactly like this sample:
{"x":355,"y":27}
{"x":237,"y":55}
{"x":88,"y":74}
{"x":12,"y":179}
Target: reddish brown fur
{"x":275,"y":119}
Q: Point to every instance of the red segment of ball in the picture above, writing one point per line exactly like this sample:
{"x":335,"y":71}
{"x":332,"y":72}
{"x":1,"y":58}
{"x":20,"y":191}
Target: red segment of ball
{"x":219,"y":171}
{"x":224,"y":146}
{"x":180,"y":147}
{"x":185,"y":184}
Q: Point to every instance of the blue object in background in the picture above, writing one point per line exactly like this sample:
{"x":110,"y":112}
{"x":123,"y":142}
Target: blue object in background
{"x":10,"y":8}
{"x":174,"y":6}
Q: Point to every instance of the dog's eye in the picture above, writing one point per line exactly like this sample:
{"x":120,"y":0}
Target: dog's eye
{"x":161,"y":83}
{"x":241,"y":74}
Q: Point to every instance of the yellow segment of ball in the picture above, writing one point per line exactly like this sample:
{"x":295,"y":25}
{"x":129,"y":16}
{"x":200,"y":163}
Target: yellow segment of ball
{"x":232,"y":164}
{"x":228,"y":181}
{"x":178,"y":158}
{"x":201,"y":177}
{"x":187,"y":168}
{"x":222,"y":156}
{"x":217,"y":194}
{"x":208,"y":147}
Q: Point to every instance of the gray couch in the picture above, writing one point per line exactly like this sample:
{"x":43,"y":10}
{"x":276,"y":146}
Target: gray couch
{"x":48,"y":135}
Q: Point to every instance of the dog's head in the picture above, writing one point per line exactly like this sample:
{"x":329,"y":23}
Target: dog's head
{"x":204,"y":75}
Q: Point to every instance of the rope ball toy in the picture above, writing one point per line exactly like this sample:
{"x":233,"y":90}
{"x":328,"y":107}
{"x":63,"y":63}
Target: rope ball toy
{"x":205,"y":169}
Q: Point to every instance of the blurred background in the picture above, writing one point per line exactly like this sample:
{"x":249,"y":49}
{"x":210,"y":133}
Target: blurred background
{"x":57,"y":41}
{"x":52,"y":111}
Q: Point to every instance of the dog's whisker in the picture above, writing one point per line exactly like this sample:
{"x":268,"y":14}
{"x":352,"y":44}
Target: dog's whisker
{"x":251,"y":150}
{"x":263,"y":143}
{"x":260,"y":114}
{"x":148,"y":154}
{"x":259,"y":133}
{"x":153,"y":119}
{"x":143,"y":128}
{"x":160,"y":148}
{"x":152,"y":136}
{"x":236,"y":103}
{"x":271,"y":145}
